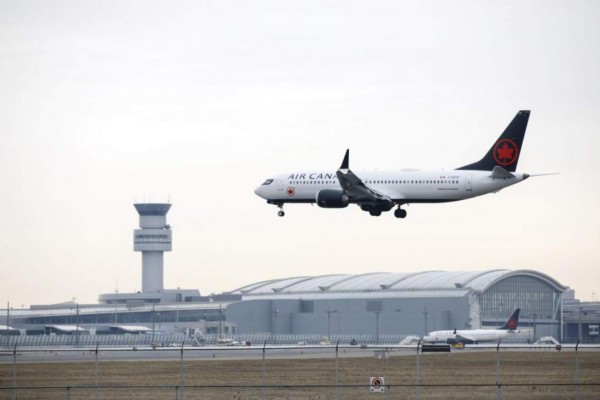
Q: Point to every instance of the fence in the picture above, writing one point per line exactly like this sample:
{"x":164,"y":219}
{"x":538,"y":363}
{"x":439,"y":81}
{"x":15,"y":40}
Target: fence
{"x":338,"y":371}
{"x":181,"y":338}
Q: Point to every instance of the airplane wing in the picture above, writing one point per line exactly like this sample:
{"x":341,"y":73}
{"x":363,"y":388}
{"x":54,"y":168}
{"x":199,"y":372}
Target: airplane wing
{"x":466,"y":338}
{"x":357,"y":191}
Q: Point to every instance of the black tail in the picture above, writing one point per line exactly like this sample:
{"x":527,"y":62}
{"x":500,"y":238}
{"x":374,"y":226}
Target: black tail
{"x":512,"y":321}
{"x":505,"y":152}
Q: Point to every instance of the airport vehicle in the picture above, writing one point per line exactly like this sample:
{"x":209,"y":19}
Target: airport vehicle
{"x":475,"y":335}
{"x":380,"y":191}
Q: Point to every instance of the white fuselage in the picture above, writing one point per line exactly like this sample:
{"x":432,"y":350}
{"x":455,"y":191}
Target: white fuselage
{"x":402,"y":186}
{"x":475,"y":335}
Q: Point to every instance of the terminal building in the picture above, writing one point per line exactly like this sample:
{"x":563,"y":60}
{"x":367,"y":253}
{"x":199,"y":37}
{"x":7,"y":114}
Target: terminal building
{"x":405,"y":303}
{"x":402,"y":303}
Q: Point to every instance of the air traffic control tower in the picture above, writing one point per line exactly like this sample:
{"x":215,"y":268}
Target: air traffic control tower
{"x":153,"y":239}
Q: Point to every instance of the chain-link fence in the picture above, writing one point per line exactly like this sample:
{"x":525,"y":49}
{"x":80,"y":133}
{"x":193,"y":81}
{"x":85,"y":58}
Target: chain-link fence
{"x":327,"y":371}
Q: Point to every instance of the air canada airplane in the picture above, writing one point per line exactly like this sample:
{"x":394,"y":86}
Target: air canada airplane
{"x":379,"y":191}
{"x":476,"y":335}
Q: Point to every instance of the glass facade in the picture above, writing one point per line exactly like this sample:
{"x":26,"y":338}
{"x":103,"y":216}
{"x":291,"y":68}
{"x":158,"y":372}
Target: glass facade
{"x":534,"y":297}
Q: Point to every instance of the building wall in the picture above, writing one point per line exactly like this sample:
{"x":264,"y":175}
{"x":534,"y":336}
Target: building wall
{"x":353,"y":316}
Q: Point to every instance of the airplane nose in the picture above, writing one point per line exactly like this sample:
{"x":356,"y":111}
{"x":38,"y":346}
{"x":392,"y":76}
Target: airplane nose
{"x":258,"y":191}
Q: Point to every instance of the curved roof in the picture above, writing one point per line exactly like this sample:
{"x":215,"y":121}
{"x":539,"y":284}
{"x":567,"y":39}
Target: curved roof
{"x":462,"y":281}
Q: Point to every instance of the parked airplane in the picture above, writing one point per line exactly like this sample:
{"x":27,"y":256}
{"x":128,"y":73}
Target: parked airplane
{"x":476,"y":335}
{"x":380,"y":191}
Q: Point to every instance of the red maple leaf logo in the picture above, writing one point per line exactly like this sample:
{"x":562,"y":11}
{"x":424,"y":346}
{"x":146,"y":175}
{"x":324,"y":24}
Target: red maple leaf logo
{"x":512,"y":324}
{"x":505,"y":152}
{"x":291,"y":191}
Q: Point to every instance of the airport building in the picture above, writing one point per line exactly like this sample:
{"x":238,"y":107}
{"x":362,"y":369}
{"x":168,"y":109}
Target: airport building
{"x":368,"y":304}
{"x":405,"y":303}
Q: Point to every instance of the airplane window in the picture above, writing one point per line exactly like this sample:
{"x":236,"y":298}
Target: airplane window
{"x":268,"y":182}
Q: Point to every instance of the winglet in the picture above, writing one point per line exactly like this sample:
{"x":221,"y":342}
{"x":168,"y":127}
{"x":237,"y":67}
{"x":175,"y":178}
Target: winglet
{"x":346,"y":160}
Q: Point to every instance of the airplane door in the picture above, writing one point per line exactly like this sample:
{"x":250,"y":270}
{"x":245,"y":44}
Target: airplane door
{"x":469,"y":183}
{"x":279,"y":184}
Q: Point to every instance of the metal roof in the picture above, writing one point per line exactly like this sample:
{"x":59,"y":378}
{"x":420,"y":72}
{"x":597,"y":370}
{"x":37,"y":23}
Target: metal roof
{"x":426,"y":281}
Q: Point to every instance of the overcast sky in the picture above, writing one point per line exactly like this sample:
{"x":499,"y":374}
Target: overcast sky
{"x":107,"y":103}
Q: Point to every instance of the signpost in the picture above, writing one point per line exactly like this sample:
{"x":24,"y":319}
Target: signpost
{"x":377,"y":384}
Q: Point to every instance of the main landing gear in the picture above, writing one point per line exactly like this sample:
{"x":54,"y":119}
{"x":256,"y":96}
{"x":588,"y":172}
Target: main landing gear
{"x":281,"y":213}
{"x":400,"y":213}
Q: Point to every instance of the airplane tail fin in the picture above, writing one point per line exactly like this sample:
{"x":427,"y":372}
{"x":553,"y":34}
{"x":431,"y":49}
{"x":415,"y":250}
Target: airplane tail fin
{"x":512,"y":321}
{"x":506,"y":150}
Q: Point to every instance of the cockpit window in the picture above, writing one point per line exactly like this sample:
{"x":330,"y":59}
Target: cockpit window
{"x":268,"y":182}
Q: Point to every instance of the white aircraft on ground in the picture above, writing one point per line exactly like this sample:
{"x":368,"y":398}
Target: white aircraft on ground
{"x":380,"y":191}
{"x":476,"y":335}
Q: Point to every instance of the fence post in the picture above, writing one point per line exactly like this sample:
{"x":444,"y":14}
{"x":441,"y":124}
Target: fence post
{"x":498,"y":389}
{"x":577,"y":368}
{"x":181,"y":373}
{"x":418,"y":371}
{"x":15,"y":372}
{"x":337,"y":377}
{"x":96,"y":374}
{"x":263,"y":371}
{"x":68,"y":392}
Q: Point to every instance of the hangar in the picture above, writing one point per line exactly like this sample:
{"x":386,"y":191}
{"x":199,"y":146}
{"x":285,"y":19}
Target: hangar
{"x":400,"y":303}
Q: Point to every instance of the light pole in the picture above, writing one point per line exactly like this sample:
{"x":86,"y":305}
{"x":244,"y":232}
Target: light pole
{"x":152,"y":324}
{"x":275,"y":312}
{"x":329,"y":312}
{"x":77,"y":330}
{"x":534,"y":326}
{"x":220,"y":321}
{"x":377,"y":326}
{"x":7,"y":320}
{"x":425,"y":313}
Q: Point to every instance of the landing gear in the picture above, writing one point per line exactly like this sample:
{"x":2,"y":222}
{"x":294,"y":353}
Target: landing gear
{"x":281,"y":213}
{"x":400,"y":213}
{"x":375,"y":213}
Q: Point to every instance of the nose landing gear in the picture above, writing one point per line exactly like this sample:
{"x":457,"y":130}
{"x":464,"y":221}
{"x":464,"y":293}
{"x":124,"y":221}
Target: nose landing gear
{"x":400,"y":213}
{"x":281,"y":213}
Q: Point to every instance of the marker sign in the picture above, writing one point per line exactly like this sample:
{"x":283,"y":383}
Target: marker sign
{"x":376,"y":384}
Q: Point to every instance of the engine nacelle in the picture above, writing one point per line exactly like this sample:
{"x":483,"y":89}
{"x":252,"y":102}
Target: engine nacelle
{"x":332,"y":198}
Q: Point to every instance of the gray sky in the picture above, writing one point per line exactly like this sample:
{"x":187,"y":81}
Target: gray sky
{"x":110,"y":102}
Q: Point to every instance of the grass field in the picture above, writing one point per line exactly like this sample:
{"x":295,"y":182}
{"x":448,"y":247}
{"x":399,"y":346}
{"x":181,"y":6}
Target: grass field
{"x":540,"y":375}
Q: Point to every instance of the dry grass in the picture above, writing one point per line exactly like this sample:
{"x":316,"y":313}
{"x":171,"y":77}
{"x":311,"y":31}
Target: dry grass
{"x":531,"y":369}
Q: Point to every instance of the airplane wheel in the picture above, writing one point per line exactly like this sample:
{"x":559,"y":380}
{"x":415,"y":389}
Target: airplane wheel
{"x":400,"y":213}
{"x":280,"y":213}
{"x":375,"y":213}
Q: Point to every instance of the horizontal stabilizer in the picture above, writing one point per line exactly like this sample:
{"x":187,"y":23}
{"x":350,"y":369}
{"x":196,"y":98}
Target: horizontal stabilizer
{"x":547,"y":173}
{"x":500,"y":173}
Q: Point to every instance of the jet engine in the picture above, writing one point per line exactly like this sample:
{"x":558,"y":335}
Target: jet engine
{"x":332,"y":198}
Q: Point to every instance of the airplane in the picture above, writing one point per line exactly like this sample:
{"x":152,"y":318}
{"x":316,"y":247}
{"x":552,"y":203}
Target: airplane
{"x":380,"y":191}
{"x":476,"y":335}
